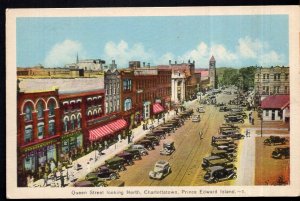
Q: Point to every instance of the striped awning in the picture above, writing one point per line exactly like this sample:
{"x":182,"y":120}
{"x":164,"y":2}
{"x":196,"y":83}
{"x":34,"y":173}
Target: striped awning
{"x":157,"y":108}
{"x":117,"y":125}
{"x":107,"y":129}
{"x":100,"y":132}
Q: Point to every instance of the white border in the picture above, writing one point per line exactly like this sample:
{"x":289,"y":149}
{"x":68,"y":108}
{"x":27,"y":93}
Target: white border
{"x":294,"y":35}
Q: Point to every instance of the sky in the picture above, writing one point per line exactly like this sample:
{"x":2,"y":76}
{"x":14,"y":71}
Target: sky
{"x":235,"y":41}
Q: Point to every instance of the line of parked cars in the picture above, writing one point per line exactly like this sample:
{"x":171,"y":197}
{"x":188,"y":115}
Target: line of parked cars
{"x":279,"y":152}
{"x":220,"y":165}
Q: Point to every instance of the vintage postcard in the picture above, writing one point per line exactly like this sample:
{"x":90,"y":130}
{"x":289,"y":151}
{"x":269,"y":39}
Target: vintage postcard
{"x":153,"y":102}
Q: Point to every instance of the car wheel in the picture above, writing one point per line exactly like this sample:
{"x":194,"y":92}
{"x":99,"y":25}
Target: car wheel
{"x":113,"y":176}
{"x":234,"y":176}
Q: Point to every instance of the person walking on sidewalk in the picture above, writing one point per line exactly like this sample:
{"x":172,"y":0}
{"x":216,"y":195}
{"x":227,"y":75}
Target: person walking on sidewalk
{"x":45,"y":179}
{"x":62,"y":179}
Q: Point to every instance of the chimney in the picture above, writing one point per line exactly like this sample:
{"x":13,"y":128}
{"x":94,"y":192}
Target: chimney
{"x":144,"y":64}
{"x":169,"y":62}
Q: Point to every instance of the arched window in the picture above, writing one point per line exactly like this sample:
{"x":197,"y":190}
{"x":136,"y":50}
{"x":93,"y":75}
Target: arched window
{"x":79,"y":121}
{"x":41,"y":128}
{"x":28,"y":134}
{"x":106,"y":107}
{"x":127,"y":104}
{"x":51,"y":108}
{"x":28,"y":112}
{"x":72,"y":122}
{"x":40,"y":109}
{"x":66,"y":120}
{"x":51,"y":127}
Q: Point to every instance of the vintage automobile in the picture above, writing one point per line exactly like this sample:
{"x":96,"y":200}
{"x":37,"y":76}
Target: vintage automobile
{"x":223,"y":109}
{"x":140,"y":148}
{"x":236,"y":110}
{"x":161,"y":170}
{"x":224,"y":142}
{"x":228,"y":148}
{"x":218,"y":173}
{"x":281,"y":152}
{"x":167,"y":128}
{"x":128,"y":157}
{"x":168,"y":148}
{"x":234,"y":119}
{"x":90,"y":184}
{"x":206,"y":160}
{"x":196,"y":118}
{"x":102,"y":173}
{"x":146,"y":143}
{"x":218,"y":162}
{"x":175,"y":123}
{"x":224,"y":154}
{"x":201,"y":109}
{"x":116,"y":163}
{"x":243,"y":114}
{"x":225,"y":128}
{"x":272,"y":140}
{"x":159,"y":133}
{"x":233,"y":134}
{"x":136,"y":153}
{"x":153,"y":139}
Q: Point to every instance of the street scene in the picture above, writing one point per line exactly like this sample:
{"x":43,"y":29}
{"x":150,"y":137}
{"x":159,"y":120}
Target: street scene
{"x":199,"y":114}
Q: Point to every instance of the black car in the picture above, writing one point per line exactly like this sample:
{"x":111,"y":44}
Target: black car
{"x":205,"y":161}
{"x":223,"y":109}
{"x":128,"y":157}
{"x":146,"y":143}
{"x":243,"y":114}
{"x":136,"y":154}
{"x":224,"y":154}
{"x":219,"y":173}
{"x":154,"y":140}
{"x":234,"y":119}
{"x":272,"y":140}
{"x":281,"y":152}
{"x":102,"y":173}
{"x":233,"y":134}
{"x":158,"y":133}
{"x":116,"y":163}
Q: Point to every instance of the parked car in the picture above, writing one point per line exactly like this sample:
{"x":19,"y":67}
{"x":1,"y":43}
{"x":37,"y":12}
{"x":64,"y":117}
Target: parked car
{"x":136,"y":153}
{"x":102,"y":173}
{"x":168,"y":148}
{"x":200,"y":110}
{"x":128,"y":157}
{"x":218,"y":162}
{"x":225,"y":128}
{"x":228,"y":148}
{"x":234,"y":119}
{"x":224,"y":154}
{"x":116,"y":163}
{"x":236,"y":110}
{"x":223,"y":109}
{"x":196,"y":118}
{"x":146,"y":143}
{"x":140,"y":148}
{"x":281,"y":152}
{"x":233,"y":134}
{"x":158,"y":133}
{"x":153,"y":139}
{"x":206,"y":160}
{"x":224,"y":142}
{"x":90,"y":184}
{"x":219,"y":173}
{"x":243,"y":114}
{"x":161,"y":170}
{"x":272,"y":140}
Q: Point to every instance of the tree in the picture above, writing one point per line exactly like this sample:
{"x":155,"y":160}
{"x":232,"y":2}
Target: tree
{"x":247,"y":75}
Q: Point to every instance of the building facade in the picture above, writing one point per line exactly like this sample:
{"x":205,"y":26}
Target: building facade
{"x":112,"y":83}
{"x":272,"y":81}
{"x":276,"y":108}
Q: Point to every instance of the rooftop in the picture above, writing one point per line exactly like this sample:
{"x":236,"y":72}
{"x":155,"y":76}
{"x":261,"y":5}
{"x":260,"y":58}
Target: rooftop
{"x":276,"y":102}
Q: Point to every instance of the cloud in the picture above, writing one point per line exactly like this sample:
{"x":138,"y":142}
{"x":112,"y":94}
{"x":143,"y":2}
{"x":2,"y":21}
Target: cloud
{"x":123,"y":53}
{"x":64,"y":53}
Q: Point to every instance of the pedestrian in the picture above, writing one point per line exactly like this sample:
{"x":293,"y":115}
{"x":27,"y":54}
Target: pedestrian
{"x":164,"y":120}
{"x":252,"y":121}
{"x":28,"y":180}
{"x":62,"y":179}
{"x":45,"y":179}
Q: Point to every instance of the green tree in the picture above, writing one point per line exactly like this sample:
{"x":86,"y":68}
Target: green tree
{"x":247,"y":75}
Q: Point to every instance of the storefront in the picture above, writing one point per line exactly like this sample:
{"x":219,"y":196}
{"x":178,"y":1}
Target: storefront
{"x":38,"y":155}
{"x":71,"y":144}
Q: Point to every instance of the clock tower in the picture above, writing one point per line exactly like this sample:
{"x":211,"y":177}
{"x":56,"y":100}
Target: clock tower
{"x":212,"y":72}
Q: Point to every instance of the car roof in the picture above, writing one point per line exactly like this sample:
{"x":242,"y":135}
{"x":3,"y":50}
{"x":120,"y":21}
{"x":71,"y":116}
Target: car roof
{"x":116,"y":158}
{"x":211,"y":157}
{"x":218,"y":151}
{"x":221,"y":160}
{"x":214,"y":168}
{"x":162,"y":162}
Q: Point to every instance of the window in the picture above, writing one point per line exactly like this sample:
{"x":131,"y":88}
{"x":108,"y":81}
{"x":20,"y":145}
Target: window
{"x":106,"y":107}
{"x":78,"y":121}
{"x":267,"y":76}
{"x":40,"y":109}
{"x":264,"y":76}
{"x":280,"y":114}
{"x":267,"y":113}
{"x":28,"y":134}
{"x":72,"y":122}
{"x":106,"y":89}
{"x":51,"y":108}
{"x":118,"y":105}
{"x":51,"y":127}
{"x":110,"y":106}
{"x":127,"y":104}
{"x":41,"y":130}
{"x":28,"y":113}
{"x":286,"y":76}
{"x":125,"y":85}
{"x":286,"y":89}
{"x":66,"y":125}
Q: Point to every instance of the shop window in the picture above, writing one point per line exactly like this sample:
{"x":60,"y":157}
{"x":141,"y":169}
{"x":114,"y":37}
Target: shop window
{"x":29,"y":163}
{"x":40,"y":109}
{"x":28,"y":134}
{"x":28,"y":113}
{"x":51,"y":128}
{"x":51,"y":108}
{"x":41,"y":128}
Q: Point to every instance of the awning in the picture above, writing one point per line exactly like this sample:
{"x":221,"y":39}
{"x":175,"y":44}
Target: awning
{"x":117,"y":125}
{"x":157,"y":108}
{"x":97,"y":133}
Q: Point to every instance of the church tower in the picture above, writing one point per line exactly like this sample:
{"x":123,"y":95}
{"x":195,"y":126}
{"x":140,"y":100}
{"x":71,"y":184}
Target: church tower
{"x":212,"y":72}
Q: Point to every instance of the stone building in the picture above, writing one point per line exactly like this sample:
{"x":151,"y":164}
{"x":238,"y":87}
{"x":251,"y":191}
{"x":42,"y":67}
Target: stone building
{"x":212,"y":73}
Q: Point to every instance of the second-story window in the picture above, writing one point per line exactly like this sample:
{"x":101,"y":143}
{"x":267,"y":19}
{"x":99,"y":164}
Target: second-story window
{"x":127,"y":104}
{"x":41,"y":129}
{"x":40,"y":109}
{"x":51,"y":108}
{"x":28,"y":134}
{"x":28,"y":112}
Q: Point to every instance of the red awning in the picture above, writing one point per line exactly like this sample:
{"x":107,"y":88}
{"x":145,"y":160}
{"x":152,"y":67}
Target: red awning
{"x":157,"y":108}
{"x":99,"y":132}
{"x":117,"y":125}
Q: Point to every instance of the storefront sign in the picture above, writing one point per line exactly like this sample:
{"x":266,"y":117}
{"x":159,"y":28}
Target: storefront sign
{"x":39,"y":146}
{"x":75,"y":133}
